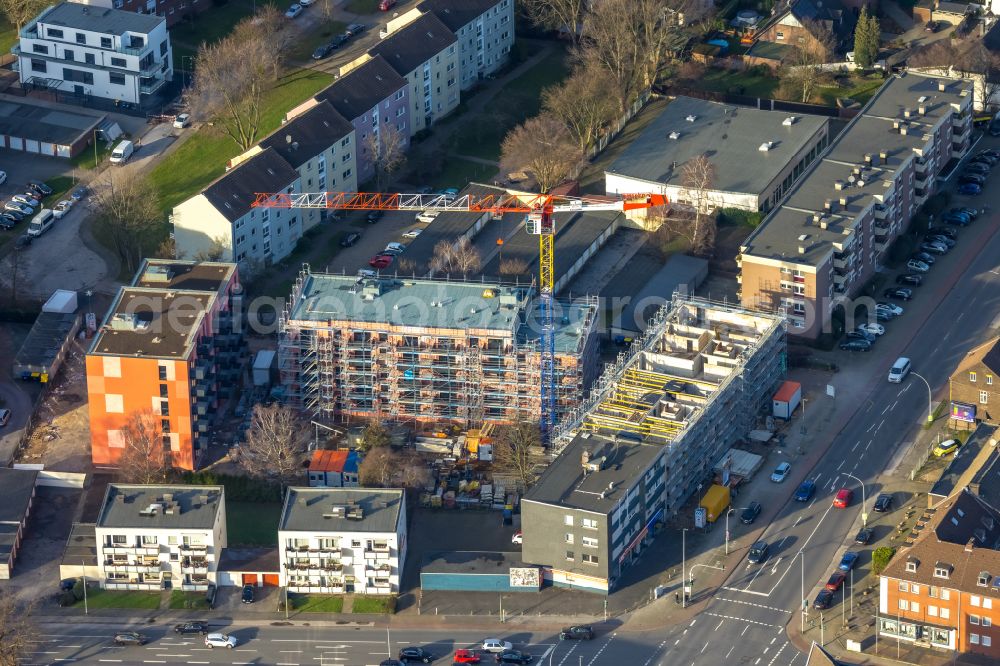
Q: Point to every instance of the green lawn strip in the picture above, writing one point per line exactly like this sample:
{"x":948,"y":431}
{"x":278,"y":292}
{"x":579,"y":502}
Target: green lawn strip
{"x":316,"y":603}
{"x":320,"y":33}
{"x":60,"y":186}
{"x":182,"y":599}
{"x":100,"y":598}
{"x":8,"y":36}
{"x":366,"y":604}
{"x":456,"y":172}
{"x":253,"y":523}
{"x":86,"y":159}
{"x":318,"y":246}
{"x":751,"y":83}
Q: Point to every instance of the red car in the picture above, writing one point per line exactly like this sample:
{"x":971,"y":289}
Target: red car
{"x":386,"y":5}
{"x":843,"y":498}
{"x":466,"y":657}
{"x":836,"y":580}
{"x":380,"y":261}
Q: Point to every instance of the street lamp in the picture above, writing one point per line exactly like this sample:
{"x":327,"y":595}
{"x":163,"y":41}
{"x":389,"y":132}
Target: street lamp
{"x":95,"y":148}
{"x":683,"y":566}
{"x":930,"y":398}
{"x":864,"y":513}
{"x":803,"y":606}
{"x":728,"y":513}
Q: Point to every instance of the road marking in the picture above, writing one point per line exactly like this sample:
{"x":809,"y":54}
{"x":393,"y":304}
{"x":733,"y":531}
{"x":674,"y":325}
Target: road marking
{"x":741,"y":619}
{"x":757,"y":662}
{"x":675,"y":644}
{"x":778,"y":561}
{"x":773,"y":639}
{"x":162,"y":661}
{"x":885,"y":410}
{"x":841,"y":464}
{"x":285,"y":663}
{"x":289,"y":650}
{"x":745,"y":629}
{"x":719,"y":625}
{"x":797,"y":520}
{"x":70,"y":646}
{"x":651,"y":657}
{"x":684,"y":632}
{"x":765,"y":650}
{"x":730,"y":651}
{"x":776,"y":654}
{"x":603,"y":648}
{"x":752,"y":579}
{"x":692,"y":622}
{"x":817,"y":478}
{"x":750,"y":603}
{"x":853,"y":447}
{"x":118,"y":661}
{"x":894,"y":404}
{"x":566,"y":656}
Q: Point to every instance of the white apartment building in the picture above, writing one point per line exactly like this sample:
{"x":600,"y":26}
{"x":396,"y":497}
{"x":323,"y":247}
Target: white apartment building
{"x":160,"y":537}
{"x":485,"y":32}
{"x":342,"y":540}
{"x":223,"y":215}
{"x":95,"y":51}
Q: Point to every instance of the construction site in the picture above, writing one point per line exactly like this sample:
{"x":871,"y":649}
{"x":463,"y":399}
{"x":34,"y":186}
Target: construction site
{"x":428,"y":351}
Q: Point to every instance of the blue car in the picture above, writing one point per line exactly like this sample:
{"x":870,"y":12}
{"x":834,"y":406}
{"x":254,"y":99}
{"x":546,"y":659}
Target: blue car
{"x":956,"y":220}
{"x":805,"y":491}
{"x":848,"y":561}
{"x":970,"y":189}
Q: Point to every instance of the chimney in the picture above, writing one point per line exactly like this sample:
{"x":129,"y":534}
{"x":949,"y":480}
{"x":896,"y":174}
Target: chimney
{"x":802,"y":249}
{"x":838,"y":184}
{"x":907,"y":113}
{"x":970,"y":545}
{"x":843,"y":201}
{"x":868,"y":158}
{"x":828,"y":205}
{"x":922,"y":109}
{"x":824,"y":223}
{"x":817,"y":218}
{"x":942,"y":87}
{"x":883,"y":156}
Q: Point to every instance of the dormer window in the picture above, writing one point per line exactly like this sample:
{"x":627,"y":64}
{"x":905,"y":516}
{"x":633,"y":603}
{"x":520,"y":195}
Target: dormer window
{"x":911,"y":566}
{"x":942,"y":570}
{"x":984,"y":579}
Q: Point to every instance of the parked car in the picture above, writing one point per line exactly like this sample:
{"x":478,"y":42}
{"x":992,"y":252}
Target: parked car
{"x":129,"y":638}
{"x":18,"y":207}
{"x":863,"y":536}
{"x":182,"y":121}
{"x":7,"y":222}
{"x":306,"y":3}
{"x":412,"y":233}
{"x":928,"y":259}
{"x":891,"y":307}
{"x":780,"y":472}
{"x":946,"y":447}
{"x":956,"y":220}
{"x":4,"y":417}
{"x":393,"y":249}
{"x":80,"y":193}
{"x":61,"y":208}
{"x":836,"y":579}
{"x":805,"y":491}
{"x":496,"y":645}
{"x":970,"y":189}
{"x":750,"y":513}
{"x":220,"y":640}
{"x":350,"y":239}
{"x":934,"y":248}
{"x":191,"y":628}
{"x":823,"y":600}
{"x":322,"y":51}
{"x":883,"y":503}
{"x":464,"y":656}
{"x":514,"y":657}
{"x":856,"y":345}
{"x":877,"y":330}
{"x":374,"y":216}
{"x":355,"y":29}
{"x":947,"y":231}
{"x":932,"y":26}
{"x":860,"y":335}
{"x":883,"y":315}
{"x":518,"y":538}
{"x":947,"y":241}
{"x":577,"y":632}
{"x":409,"y":654}
{"x":987,"y":156}
{"x":23,"y":241}
{"x":293,"y":11}
{"x":758,"y":552}
{"x":848,"y":561}
{"x":27,"y":200}
{"x":899,"y":293}
{"x":918,"y":266}
{"x":973,"y":178}
{"x":18,"y":216}
{"x":978,"y":167}
{"x":386,"y":5}
{"x":380,"y":261}
{"x":339,"y":41}
{"x":40,"y":187}
{"x":427,"y":216}
{"x":248,"y":593}
{"x":843,"y":498}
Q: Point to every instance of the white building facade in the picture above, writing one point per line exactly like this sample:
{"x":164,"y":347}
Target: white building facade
{"x":95,"y":52}
{"x":160,"y":537}
{"x":342,"y":540}
{"x":485,"y":32}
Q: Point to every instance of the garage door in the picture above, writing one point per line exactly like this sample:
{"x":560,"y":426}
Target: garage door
{"x":31,"y":146}
{"x":271,"y":580}
{"x":249,"y":579}
{"x":48,"y":149}
{"x":16,"y":143}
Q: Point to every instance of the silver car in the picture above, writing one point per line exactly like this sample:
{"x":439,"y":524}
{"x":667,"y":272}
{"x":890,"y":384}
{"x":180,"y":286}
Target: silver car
{"x":220,"y":640}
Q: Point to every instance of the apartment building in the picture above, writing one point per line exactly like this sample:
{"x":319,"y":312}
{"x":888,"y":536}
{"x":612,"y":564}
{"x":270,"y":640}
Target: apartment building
{"x":485,"y":32}
{"x":427,"y":350}
{"x":425,"y":53}
{"x":160,"y":537}
{"x":95,"y":52}
{"x":942,"y":588}
{"x":342,"y":541}
{"x":222,"y":216}
{"x":974,"y":387}
{"x":373,"y":97}
{"x":647,"y":437}
{"x":824,"y":242}
{"x":170,"y":349}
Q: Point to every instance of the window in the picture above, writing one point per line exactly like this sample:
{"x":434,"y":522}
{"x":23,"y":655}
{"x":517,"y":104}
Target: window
{"x":570,"y":556}
{"x":590,"y":559}
{"x":904,"y":586}
{"x":987,"y":641}
{"x":984,"y":397}
{"x":163,"y":390}
{"x":118,"y":539}
{"x":163,"y":371}
{"x":945,"y":595}
{"x":940,"y":572}
{"x":569,"y":538}
{"x":589,"y":524}
{"x":932,"y":611}
{"x":984,"y":579}
{"x":40,"y":48}
{"x":932,"y":592}
{"x":972,"y":377}
{"x":904,"y":604}
{"x":974,"y":639}
{"x":346,"y":157}
{"x":69,"y":55}
{"x":780,"y":35}
{"x":914,"y":607}
{"x":589,"y":542}
{"x":149,"y":541}
{"x":945,"y":613}
{"x":90,"y":58}
{"x":989,"y":380}
{"x":78,"y":76}
{"x":974,"y":601}
{"x":119,"y":62}
{"x":568,"y":520}
{"x":54,"y":33}
{"x":116,"y":79}
{"x":38,"y":66}
{"x":163,"y":48}
{"x":164,"y":408}
{"x":987,"y":602}
{"x":915,"y":589}
{"x":81,"y":38}
{"x":165,"y":425}
{"x":105,"y":42}
{"x":346,"y":174}
{"x":346,"y":141}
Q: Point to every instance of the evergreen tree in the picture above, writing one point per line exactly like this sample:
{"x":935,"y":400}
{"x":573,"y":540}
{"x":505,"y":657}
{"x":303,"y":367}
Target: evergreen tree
{"x":866,"y":40}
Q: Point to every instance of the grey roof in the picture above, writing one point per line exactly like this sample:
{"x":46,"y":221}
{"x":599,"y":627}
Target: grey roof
{"x":100,"y":19}
{"x":308,"y":134}
{"x":8,"y":537}
{"x":414,"y":44}
{"x":961,"y":462}
{"x":314,"y":509}
{"x":43,"y":346}
{"x":81,"y":546}
{"x":180,"y":274}
{"x":164,"y":323}
{"x":986,"y":481}
{"x":180,"y":507}
{"x":729,"y":136}
{"x":456,"y":14}
{"x":61,"y":126}
{"x":233,"y":192}
{"x":471,"y":562}
{"x":250,"y":559}
{"x":830,"y":14}
{"x":565,"y":484}
{"x":791,"y":226}
{"x":363,"y":88}
{"x":680,"y":270}
{"x":970,"y":517}
{"x":959,"y":8}
{"x":18,"y":488}
{"x":771,"y":50}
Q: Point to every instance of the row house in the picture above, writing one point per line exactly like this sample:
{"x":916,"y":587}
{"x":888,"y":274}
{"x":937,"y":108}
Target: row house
{"x":152,"y":537}
{"x":342,"y":540}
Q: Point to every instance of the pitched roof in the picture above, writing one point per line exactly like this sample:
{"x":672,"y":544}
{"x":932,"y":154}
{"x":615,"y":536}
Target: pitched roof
{"x":334,"y":461}
{"x":987,"y":353}
{"x":831,"y":14}
{"x":363,"y":88}
{"x":414,"y":44}
{"x":234,"y":191}
{"x":309,"y":134}
{"x":457,"y":13}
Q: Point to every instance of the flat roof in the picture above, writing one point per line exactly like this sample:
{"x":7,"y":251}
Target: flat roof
{"x":471,"y":562}
{"x":250,"y":559}
{"x":43,"y":345}
{"x":99,"y":19}
{"x":81,"y":546}
{"x":176,"y":507}
{"x":564,"y":482}
{"x":152,"y":323}
{"x":18,"y":487}
{"x":327,"y":510}
{"x":730,"y":136}
{"x":680,"y":270}
{"x":52,"y":123}
{"x":187,"y":275}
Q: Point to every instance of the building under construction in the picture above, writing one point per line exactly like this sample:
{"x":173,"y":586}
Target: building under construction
{"x":647,"y":437}
{"x":426,"y":350}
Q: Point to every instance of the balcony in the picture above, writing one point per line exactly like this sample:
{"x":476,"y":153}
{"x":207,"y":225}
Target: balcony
{"x":194,"y":548}
{"x":132,"y":549}
{"x":150,"y":87}
{"x":30,"y":31}
{"x":190,"y":565}
{"x":881,"y":245}
{"x":842,"y":262}
{"x":132,"y":584}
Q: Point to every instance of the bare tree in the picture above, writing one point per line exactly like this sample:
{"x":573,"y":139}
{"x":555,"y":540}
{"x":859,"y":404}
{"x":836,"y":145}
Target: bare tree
{"x":801,"y":72}
{"x":415,"y":472}
{"x":458,"y":257}
{"x":379,"y":467}
{"x":17,"y":631}
{"x":144,"y":457}
{"x":941,"y":53}
{"x":582,"y":103}
{"x":127,"y":213}
{"x":564,"y":15}
{"x":513,"y":266}
{"x":515,"y":450}
{"x":542,"y":146}
{"x":613,"y":47}
{"x":692,"y":219}
{"x":983,"y":66}
{"x":404,"y":265}
{"x":20,"y":12}
{"x":214,"y":252}
{"x":387,"y":150}
{"x":167,"y":249}
{"x":271,"y":35}
{"x":326,"y":8}
{"x":274,"y":443}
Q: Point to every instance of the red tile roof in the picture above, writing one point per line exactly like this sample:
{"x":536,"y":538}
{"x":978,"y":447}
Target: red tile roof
{"x":328,"y":461}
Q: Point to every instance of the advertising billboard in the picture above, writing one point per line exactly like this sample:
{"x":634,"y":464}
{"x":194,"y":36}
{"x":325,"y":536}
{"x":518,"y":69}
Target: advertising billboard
{"x":963,"y":411}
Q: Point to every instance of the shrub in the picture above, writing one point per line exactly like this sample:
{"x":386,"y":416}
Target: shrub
{"x":736,"y":217}
{"x":67,"y":598}
{"x":880,"y":559}
{"x":78,"y":590}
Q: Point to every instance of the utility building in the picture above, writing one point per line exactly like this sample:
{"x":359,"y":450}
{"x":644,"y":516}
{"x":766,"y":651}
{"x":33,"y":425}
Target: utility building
{"x":427,"y":350}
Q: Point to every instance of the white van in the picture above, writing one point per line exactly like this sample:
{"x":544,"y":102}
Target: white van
{"x":122,"y":152}
{"x":41,"y":222}
{"x":899,"y":370}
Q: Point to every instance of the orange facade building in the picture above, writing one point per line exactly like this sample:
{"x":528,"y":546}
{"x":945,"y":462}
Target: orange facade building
{"x":171,"y":350}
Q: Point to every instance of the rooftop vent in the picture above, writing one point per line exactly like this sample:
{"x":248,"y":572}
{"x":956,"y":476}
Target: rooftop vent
{"x":674,"y":135}
{"x":766,"y":146}
{"x":157,"y":274}
{"x":124,"y":321}
{"x":691,"y":118}
{"x":838,"y":184}
{"x":907,"y":113}
{"x":922,"y":109}
{"x":942,"y":86}
{"x":591,"y":465}
{"x":789,"y":121}
{"x":803,"y":237}
{"x":883,"y":156}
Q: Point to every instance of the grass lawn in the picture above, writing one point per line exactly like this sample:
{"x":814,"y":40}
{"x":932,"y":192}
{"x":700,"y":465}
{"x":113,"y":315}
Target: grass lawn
{"x":754,"y":84}
{"x":253,"y":523}
{"x":316,"y":603}
{"x":306,"y":43}
{"x":456,"y":172}
{"x":362,"y":6}
{"x":383,"y":605}
{"x":210,"y":26}
{"x":99,"y":598}
{"x":860,"y":90}
{"x":8,"y":35}
{"x":60,"y":186}
{"x":181,"y":599}
{"x":86,"y":159}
